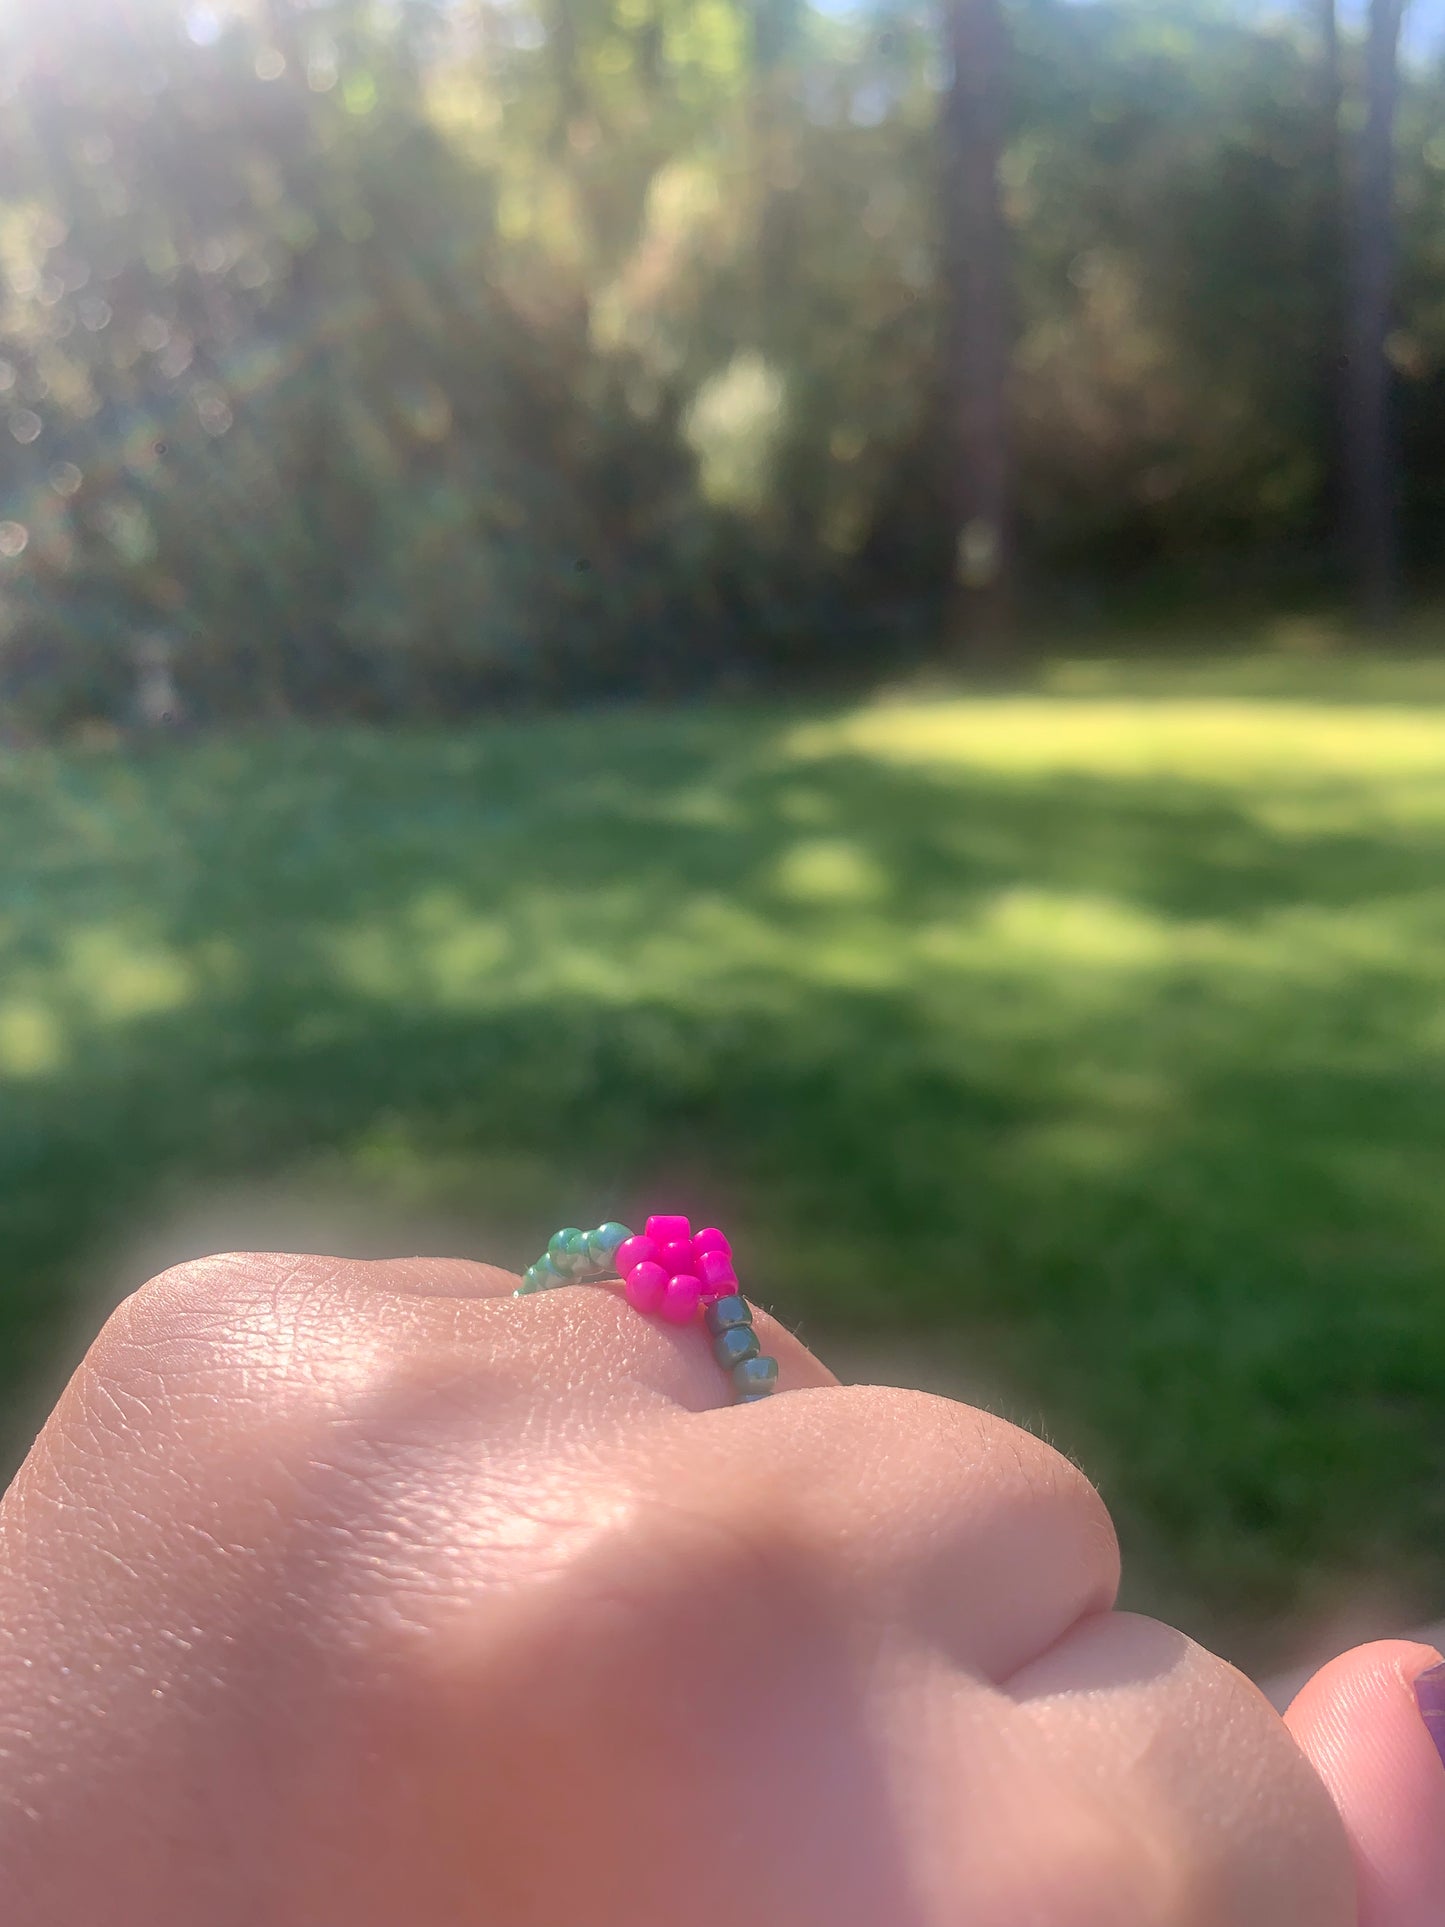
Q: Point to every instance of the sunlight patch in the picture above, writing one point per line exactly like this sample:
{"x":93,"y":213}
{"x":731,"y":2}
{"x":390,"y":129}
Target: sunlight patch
{"x":31,"y":1039}
{"x":732,"y":425}
{"x":829,"y":870}
{"x":1088,"y":929}
{"x":1217,"y":742}
{"x":120,"y":974}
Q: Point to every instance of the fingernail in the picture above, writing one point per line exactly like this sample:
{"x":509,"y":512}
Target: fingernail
{"x":1430,"y":1697}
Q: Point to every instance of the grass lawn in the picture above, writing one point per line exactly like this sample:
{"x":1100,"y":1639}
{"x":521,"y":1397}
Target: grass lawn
{"x":1096,"y":1036}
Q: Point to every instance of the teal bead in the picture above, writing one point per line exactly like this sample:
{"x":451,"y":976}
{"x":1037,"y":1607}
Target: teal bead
{"x":752,"y":1398}
{"x":756,"y":1375}
{"x":567,"y":1250}
{"x":545,"y":1275}
{"x":603,"y":1243}
{"x":727,"y":1313}
{"x":735,"y":1344}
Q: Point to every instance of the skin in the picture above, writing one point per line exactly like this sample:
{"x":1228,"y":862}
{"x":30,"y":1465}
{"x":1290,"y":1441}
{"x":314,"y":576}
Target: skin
{"x":365,"y":1593}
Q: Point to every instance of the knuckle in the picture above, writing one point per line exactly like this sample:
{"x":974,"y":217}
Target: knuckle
{"x":1032,"y":1481}
{"x":1190,"y":1776}
{"x":245,"y":1355}
{"x":208,"y":1306}
{"x":941,"y":1438}
{"x":911,"y":1496}
{"x":1030,"y":1468}
{"x":994,"y":1476}
{"x":320,"y":1339}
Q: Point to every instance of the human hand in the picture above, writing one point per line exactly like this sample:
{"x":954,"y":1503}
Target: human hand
{"x":353,"y":1595}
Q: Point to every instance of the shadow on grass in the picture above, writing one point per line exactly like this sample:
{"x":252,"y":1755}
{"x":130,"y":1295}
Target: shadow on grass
{"x":1130,"y":1083}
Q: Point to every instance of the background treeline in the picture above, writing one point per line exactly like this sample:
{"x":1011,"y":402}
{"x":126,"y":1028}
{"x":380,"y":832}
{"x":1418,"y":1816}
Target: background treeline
{"x":368,"y":359}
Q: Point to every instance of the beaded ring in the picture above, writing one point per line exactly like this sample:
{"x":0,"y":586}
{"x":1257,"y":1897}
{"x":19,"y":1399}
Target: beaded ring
{"x":671,"y":1270}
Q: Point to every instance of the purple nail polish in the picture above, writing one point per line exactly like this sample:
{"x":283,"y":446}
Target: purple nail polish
{"x":1430,"y":1697}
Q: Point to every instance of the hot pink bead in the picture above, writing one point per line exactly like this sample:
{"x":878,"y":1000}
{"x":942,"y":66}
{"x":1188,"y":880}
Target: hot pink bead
{"x":715,"y":1268}
{"x":668,"y":1231}
{"x":681,"y":1299}
{"x":645,"y":1285}
{"x":634,"y":1251}
{"x":710,"y":1240}
{"x":676,"y":1258}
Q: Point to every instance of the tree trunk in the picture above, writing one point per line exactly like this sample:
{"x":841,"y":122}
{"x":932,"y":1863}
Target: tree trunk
{"x":978,"y":332}
{"x":1370,"y":453}
{"x":1332,"y":248}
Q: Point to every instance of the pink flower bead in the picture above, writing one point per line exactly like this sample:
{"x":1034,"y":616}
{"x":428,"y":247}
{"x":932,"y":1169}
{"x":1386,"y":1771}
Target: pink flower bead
{"x":681,"y":1299}
{"x":632,"y":1252}
{"x":710,"y":1240}
{"x":715,"y":1268}
{"x":667,"y":1231}
{"x":646,"y":1285}
{"x":676,"y":1258}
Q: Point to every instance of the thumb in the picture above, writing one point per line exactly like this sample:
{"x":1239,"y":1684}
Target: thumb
{"x":1360,"y":1723}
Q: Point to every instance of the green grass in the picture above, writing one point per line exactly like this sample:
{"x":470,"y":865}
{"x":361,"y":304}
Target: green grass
{"x":1096,"y":1035}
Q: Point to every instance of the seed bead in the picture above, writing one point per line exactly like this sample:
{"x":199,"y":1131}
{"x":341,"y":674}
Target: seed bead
{"x":735,"y":1344}
{"x":719,"y":1280}
{"x":756,"y":1375}
{"x":666,"y":1229}
{"x":604,"y":1243}
{"x":635,"y":1251}
{"x":645,"y":1285}
{"x":680,"y":1299}
{"x":724,"y":1313}
{"x":564,"y":1247}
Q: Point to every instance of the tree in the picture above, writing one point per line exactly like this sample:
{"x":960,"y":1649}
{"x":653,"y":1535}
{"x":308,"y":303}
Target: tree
{"x":1370,"y":453}
{"x":1331,"y":240}
{"x":978,"y":330}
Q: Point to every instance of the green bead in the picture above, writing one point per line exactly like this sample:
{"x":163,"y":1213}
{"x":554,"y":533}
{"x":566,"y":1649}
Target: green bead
{"x":602,"y":1244}
{"x":728,"y":1312}
{"x":756,"y":1375}
{"x":567,"y":1251}
{"x":752,"y":1398}
{"x":735,"y":1344}
{"x":545,"y":1275}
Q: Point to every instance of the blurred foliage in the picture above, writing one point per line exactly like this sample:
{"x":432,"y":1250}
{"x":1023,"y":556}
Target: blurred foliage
{"x":377,"y":357}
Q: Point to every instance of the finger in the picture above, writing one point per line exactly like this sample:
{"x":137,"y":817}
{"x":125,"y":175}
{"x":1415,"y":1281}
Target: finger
{"x":597,"y":1344}
{"x":264,"y":1464}
{"x":211,"y":1381}
{"x":1358,"y":1721}
{"x":306,"y":1318}
{"x":1184,"y":1751}
{"x":438,"y":1277}
{"x":978,"y":1536}
{"x":461,"y":1278}
{"x":371,"y":1341}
